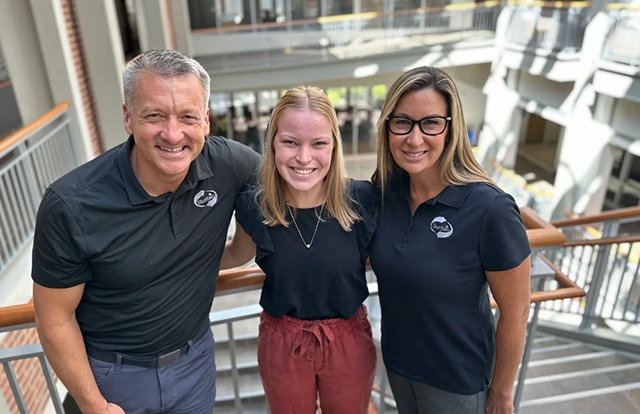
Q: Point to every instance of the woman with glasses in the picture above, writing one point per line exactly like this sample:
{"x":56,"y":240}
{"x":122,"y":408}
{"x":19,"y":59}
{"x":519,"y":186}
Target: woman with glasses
{"x":445,"y":235}
{"x":312,"y":228}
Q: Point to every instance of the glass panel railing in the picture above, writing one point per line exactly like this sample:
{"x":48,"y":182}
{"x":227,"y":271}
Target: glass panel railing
{"x":623,"y":43}
{"x":342,"y":37}
{"x":548,"y":26}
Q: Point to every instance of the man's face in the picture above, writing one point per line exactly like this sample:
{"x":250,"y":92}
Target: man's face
{"x":169,"y":124}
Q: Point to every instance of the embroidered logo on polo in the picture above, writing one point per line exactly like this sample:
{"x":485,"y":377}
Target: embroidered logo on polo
{"x":441,"y":227}
{"x":205,"y":198}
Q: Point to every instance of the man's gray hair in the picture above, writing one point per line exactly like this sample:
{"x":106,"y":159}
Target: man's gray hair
{"x":164,"y":63}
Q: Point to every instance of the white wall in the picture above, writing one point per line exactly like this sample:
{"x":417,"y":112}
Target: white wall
{"x":626,"y":118}
{"x":542,"y":90}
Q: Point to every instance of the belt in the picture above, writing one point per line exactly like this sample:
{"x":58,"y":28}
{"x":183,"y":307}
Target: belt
{"x":146,"y":362}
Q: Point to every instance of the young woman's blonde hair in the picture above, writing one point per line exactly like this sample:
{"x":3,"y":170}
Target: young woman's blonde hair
{"x":457,"y":164}
{"x":272,"y":196}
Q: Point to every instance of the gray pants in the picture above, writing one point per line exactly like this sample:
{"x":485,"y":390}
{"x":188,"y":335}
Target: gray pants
{"x":414,"y":397}
{"x":184,"y":387}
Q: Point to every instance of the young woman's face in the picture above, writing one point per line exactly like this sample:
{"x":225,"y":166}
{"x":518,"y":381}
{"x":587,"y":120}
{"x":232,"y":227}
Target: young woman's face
{"x":417,"y":152}
{"x":303,"y":149}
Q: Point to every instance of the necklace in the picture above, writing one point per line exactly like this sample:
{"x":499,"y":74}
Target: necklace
{"x":308,"y":245}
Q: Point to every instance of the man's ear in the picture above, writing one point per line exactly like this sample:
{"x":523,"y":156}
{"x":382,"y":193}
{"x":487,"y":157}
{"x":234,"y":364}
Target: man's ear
{"x":126,"y":118}
{"x":207,"y":123}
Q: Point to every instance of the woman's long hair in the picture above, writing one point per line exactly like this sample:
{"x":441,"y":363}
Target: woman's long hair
{"x":271,"y":198}
{"x":457,"y":164}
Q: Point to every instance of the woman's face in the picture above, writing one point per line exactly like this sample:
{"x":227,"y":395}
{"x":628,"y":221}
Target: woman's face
{"x":303,"y":149}
{"x":417,"y":152}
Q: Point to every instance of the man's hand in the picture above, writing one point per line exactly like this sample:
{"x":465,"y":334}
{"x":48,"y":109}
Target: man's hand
{"x":114,"y":409}
{"x":110,"y":408}
{"x":498,"y":404}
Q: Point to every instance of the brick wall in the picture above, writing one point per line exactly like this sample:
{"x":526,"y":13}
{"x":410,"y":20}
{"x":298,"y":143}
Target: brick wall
{"x":28,"y":372}
{"x":77,"y":49}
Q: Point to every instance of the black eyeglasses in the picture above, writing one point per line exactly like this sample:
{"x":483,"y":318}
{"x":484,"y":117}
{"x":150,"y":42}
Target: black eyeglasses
{"x":431,"y":125}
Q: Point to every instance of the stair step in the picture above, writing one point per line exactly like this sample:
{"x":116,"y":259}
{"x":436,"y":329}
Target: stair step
{"x":575,"y":363}
{"x":615,"y":399}
{"x":583,"y":383}
{"x":546,"y":341}
{"x":559,"y":351}
{"x":256,"y":407}
{"x":250,"y":387}
{"x":246,"y":355}
{"x":576,"y":374}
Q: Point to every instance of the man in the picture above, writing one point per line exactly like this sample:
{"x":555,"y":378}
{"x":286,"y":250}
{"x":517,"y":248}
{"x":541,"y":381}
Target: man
{"x":127,"y":250}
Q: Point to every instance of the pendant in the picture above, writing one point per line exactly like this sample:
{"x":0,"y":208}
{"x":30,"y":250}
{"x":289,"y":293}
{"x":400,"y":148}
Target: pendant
{"x":308,"y":245}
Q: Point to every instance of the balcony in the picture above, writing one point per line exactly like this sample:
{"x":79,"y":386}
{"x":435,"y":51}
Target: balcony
{"x":622,"y":45}
{"x":618,"y":73}
{"x":30,"y":159}
{"x":550,"y":27}
{"x":377,"y":42}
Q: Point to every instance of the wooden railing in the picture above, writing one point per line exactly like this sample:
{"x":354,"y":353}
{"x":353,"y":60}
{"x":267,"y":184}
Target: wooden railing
{"x":21,"y":134}
{"x":540,"y":233}
{"x":620,"y":214}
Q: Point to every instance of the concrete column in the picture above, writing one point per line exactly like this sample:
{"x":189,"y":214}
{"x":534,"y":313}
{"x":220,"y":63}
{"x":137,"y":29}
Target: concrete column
{"x":61,"y":71}
{"x":584,"y":170}
{"x":105,"y":62}
{"x":257,"y":118}
{"x":181,"y":26}
{"x":230,"y":117}
{"x":218,"y":6}
{"x":23,"y":58}
{"x":357,"y":6}
{"x":154,"y":26}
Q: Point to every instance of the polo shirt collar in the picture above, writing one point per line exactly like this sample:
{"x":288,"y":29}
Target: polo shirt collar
{"x":452,"y":196}
{"x":199,"y":170}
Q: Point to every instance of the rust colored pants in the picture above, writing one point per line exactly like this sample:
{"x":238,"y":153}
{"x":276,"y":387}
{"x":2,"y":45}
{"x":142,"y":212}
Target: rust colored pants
{"x":332,"y":359}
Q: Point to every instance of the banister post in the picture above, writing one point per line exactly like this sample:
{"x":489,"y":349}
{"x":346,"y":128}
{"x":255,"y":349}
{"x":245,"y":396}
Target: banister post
{"x":599,"y":270}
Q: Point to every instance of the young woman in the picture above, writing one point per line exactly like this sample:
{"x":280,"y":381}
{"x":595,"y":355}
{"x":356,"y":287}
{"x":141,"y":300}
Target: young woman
{"x":445,"y":234}
{"x":312,"y":228}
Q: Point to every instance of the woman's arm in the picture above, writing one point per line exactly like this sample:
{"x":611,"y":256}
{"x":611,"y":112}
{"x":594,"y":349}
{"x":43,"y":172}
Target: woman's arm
{"x":239,"y":250}
{"x":511,"y":291}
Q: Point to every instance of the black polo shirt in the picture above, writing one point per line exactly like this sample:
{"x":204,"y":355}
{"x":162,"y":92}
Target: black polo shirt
{"x":149,"y":264}
{"x":437,"y":326}
{"x":324,"y":281}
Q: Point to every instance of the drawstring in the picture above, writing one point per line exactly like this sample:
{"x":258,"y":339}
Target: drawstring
{"x":317,"y":332}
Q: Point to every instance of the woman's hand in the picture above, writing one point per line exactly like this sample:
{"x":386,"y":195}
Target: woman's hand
{"x":498,"y":404}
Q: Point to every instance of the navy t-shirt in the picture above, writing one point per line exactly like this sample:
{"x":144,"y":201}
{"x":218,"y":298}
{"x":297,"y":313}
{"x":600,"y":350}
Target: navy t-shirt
{"x":437,"y":326}
{"x":324,"y":281}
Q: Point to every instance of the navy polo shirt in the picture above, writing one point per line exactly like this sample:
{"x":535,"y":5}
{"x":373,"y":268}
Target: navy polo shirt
{"x":324,"y":281}
{"x":149,"y":264}
{"x":437,"y":326}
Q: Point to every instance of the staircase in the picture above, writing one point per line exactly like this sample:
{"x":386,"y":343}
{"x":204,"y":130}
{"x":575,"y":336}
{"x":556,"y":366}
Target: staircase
{"x":567,"y":377}
{"x":564,"y":377}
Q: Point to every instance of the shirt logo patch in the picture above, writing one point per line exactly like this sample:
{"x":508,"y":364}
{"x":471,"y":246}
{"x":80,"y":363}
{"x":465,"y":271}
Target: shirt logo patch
{"x":441,"y":227}
{"x":205,"y":198}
